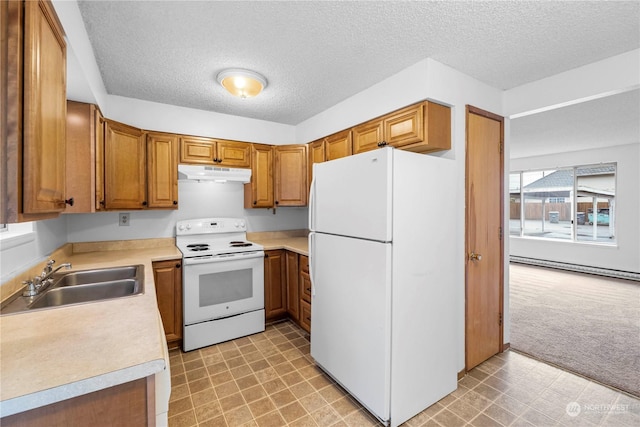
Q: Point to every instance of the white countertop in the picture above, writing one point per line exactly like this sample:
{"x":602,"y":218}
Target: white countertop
{"x":50,"y":355}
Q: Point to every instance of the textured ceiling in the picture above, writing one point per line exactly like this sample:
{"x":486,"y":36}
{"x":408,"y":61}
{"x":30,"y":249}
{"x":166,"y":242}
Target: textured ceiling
{"x":604,"y":122}
{"x":318,"y":53}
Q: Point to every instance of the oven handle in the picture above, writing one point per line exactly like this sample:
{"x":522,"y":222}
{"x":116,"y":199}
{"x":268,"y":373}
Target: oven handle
{"x":218,"y":258}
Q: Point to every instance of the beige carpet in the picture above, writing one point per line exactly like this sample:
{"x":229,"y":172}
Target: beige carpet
{"x":584,"y":323}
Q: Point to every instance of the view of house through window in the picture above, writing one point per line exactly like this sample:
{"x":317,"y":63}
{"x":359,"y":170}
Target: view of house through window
{"x":575,"y":204}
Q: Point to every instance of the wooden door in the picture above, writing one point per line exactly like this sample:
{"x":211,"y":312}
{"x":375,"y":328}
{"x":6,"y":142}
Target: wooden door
{"x":339,"y":145}
{"x":167,"y":276}
{"x":293,"y":277}
{"x":125,"y":179}
{"x":199,"y":151}
{"x":484,"y":245}
{"x":291,"y":175}
{"x":259,"y":192}
{"x":45,"y":110}
{"x":162,"y":170}
{"x":367,"y":136}
{"x":275,"y":291}
{"x":233,"y":154}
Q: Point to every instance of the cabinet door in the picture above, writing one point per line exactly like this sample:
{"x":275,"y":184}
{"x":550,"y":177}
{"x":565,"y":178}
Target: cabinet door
{"x":259,"y":192}
{"x":45,"y":109}
{"x":367,"y":136}
{"x":275,"y":292}
{"x":124,"y":167}
{"x":100,"y":127}
{"x":305,"y":316}
{"x":305,"y":280}
{"x":405,"y":126}
{"x":291,"y":175}
{"x":196,"y":150}
{"x":293,"y":291}
{"x":162,"y":170}
{"x":233,"y":154}
{"x":339,"y":145}
{"x":167,"y":276}
{"x":316,"y":155}
{"x":81,"y":157}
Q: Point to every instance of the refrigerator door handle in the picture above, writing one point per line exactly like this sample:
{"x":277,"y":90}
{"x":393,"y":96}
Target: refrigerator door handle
{"x":311,"y":258}
{"x":312,"y":198}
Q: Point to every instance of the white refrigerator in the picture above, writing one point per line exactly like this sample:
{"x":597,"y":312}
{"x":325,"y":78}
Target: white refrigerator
{"x":381,"y":257}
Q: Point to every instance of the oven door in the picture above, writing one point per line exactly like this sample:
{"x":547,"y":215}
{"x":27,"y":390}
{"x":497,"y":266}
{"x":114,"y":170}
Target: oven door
{"x":222,"y":286}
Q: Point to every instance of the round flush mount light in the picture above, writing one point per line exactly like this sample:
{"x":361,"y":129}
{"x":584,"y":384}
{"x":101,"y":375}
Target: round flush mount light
{"x":242,"y":83}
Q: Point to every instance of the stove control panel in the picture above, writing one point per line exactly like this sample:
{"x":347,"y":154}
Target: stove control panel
{"x":210,"y":225}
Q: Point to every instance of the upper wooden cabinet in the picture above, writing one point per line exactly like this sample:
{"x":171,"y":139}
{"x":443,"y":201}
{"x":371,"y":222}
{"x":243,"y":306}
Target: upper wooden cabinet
{"x":259,"y":192}
{"x":162,"y":170}
{"x":291,"y":175}
{"x":422,"y":127}
{"x":207,"y":151}
{"x":84,"y":127}
{"x":140,"y":169}
{"x":33,"y":111}
{"x":338,"y":145}
{"x":125,"y":179}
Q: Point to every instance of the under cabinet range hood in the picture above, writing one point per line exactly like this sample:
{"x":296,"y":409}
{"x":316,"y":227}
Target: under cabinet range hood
{"x":213,"y":173}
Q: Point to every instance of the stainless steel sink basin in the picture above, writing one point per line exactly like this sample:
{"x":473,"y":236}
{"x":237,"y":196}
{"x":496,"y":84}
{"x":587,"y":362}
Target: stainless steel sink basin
{"x":75,"y":278}
{"x":78,"y":287}
{"x":87,"y":293}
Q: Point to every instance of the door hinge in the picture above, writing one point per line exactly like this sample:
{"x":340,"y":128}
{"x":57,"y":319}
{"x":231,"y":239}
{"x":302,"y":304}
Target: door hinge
{"x":501,"y":147}
{"x":500,"y":233}
{"x":500,"y":319}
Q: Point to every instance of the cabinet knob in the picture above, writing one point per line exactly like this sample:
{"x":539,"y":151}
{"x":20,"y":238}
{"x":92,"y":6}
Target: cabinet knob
{"x":382,"y":143}
{"x":144,"y":203}
{"x":266,"y":255}
{"x":178,"y":265}
{"x":102,"y":202}
{"x":277,"y":202}
{"x":255,"y":202}
{"x":175,"y":202}
{"x":69,"y":201}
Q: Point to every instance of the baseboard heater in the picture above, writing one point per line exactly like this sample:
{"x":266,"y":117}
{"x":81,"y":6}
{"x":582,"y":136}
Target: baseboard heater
{"x":576,"y":268}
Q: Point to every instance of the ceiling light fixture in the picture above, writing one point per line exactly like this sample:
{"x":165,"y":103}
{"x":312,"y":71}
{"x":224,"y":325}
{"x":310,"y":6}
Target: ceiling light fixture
{"x":242,"y":83}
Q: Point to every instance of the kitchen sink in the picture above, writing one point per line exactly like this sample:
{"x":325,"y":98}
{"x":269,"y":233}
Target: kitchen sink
{"x":101,"y":275}
{"x":78,"y":287}
{"x":87,"y":292}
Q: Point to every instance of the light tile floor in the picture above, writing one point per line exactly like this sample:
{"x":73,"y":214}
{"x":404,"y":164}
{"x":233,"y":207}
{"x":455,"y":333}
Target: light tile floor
{"x":269,"y":379}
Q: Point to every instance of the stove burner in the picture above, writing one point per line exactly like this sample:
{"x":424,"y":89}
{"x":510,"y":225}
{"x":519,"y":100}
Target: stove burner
{"x":239,"y":244}
{"x":198,"y":247}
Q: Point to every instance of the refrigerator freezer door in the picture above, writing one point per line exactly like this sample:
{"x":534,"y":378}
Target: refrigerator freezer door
{"x":351,"y":196}
{"x":351,"y":315}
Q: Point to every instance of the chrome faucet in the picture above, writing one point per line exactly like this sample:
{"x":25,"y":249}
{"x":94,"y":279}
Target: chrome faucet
{"x":40,"y":283}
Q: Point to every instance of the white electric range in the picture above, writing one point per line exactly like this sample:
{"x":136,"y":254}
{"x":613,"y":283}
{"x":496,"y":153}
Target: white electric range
{"x":223,"y":281}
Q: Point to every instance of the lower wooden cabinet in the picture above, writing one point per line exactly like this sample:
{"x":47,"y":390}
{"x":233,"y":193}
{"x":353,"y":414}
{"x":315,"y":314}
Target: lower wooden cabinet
{"x":128,"y":404}
{"x":305,"y":294}
{"x":293,"y":279}
{"x":275,"y":291}
{"x":167,"y":276}
{"x":287,"y":287}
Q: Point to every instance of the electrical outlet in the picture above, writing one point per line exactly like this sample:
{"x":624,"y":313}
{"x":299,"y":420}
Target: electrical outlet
{"x":124,"y":219}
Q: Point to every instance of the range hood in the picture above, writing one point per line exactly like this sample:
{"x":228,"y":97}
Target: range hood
{"x":213,"y":173}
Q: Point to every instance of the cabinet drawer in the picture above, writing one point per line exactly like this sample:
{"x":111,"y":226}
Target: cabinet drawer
{"x":304,"y":263}
{"x":305,"y":316}
{"x":305,"y":287}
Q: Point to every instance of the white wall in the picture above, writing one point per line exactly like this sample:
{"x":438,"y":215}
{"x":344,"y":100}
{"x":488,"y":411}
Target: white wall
{"x":625,"y":255}
{"x":197,"y":200}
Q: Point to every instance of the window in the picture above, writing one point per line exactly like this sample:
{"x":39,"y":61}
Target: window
{"x":12,"y":235}
{"x":576,"y":204}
